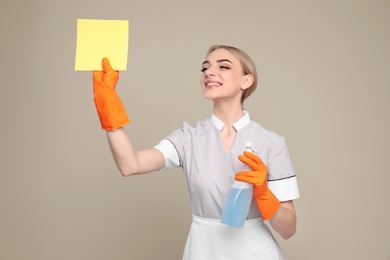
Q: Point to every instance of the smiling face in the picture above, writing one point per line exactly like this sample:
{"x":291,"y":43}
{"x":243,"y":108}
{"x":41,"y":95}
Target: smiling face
{"x":223,"y":78}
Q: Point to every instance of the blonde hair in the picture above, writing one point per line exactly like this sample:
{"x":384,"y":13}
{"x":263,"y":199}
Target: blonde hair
{"x":247,"y":65}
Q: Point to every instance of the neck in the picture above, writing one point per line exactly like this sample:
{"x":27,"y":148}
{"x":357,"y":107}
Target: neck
{"x":228,"y":113}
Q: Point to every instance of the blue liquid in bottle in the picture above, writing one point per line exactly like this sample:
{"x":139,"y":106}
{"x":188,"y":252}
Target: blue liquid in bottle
{"x":239,"y":200}
{"x":237,"y":204}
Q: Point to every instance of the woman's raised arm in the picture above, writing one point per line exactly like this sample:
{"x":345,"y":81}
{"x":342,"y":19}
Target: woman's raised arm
{"x":129,"y":161}
{"x":113,"y":117}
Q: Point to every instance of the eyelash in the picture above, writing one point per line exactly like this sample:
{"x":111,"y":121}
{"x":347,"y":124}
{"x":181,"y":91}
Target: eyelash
{"x":221,"y":67}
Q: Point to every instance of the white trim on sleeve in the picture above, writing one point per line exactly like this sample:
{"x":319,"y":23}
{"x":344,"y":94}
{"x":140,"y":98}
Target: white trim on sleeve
{"x":285,"y":189}
{"x":171,"y":156}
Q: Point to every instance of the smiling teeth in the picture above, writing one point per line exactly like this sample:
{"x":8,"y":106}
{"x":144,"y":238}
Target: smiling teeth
{"x":213,"y":84}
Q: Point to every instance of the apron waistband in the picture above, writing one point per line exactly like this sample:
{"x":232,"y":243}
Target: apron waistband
{"x":217,"y":222}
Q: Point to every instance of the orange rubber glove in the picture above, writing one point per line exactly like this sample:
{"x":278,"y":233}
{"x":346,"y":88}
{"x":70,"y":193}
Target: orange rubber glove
{"x":111,"y":111}
{"x":266,"y":201}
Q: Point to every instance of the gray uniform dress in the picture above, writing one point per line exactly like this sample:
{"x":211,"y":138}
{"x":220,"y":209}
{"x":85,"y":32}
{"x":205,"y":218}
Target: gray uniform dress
{"x":210,"y":171}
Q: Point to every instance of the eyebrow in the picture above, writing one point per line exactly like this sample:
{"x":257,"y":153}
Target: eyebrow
{"x":218,"y":61}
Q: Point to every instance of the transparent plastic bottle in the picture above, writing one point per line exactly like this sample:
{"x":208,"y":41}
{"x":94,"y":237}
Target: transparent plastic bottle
{"x":239,"y":199}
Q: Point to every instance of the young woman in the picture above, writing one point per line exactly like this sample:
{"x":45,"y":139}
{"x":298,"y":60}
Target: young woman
{"x":211,"y":155}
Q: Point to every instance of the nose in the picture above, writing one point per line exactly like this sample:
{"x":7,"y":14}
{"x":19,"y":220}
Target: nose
{"x":210,"y":72}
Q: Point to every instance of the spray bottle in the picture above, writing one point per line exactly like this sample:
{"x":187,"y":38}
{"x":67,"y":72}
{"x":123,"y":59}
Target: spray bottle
{"x":239,"y":199}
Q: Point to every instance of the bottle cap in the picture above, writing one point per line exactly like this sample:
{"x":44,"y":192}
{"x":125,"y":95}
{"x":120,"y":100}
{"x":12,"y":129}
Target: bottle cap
{"x":250,"y":148}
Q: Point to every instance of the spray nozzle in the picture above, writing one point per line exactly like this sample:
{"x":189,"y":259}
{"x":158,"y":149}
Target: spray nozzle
{"x":250,"y":147}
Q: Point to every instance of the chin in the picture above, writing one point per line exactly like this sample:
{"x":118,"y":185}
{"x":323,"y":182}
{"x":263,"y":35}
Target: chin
{"x":208,"y":97}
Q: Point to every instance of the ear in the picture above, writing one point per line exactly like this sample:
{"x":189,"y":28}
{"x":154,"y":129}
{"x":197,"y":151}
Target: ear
{"x":247,"y":81}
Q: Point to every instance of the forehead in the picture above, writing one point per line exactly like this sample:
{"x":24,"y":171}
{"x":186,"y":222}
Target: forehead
{"x":221,"y":54}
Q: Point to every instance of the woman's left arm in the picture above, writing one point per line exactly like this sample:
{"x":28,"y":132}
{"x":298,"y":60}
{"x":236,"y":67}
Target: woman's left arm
{"x":281,"y":215}
{"x":284,"y":222}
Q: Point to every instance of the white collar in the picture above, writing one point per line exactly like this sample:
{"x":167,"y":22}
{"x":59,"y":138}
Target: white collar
{"x":243,"y":121}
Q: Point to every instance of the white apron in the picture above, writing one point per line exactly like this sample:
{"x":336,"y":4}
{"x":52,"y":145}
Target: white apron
{"x":209,"y":239}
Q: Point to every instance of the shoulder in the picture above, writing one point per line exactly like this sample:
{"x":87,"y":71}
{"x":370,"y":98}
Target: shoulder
{"x":266,"y":134}
{"x":198,"y":128}
{"x":186,"y":130}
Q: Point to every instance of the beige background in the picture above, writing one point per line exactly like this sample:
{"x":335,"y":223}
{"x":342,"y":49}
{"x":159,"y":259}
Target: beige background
{"x":324,"y":84}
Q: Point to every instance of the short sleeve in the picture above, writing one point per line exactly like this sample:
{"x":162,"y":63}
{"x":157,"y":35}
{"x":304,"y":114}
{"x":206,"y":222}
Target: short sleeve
{"x":285,"y":189}
{"x":171,"y":156}
{"x":282,"y":180}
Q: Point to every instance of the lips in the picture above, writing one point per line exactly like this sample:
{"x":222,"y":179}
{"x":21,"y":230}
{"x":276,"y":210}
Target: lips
{"x":213,"y":84}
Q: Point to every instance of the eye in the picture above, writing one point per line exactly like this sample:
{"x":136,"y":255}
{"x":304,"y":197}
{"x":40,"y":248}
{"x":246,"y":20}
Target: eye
{"x":224,"y":67}
{"x":203,"y":69}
